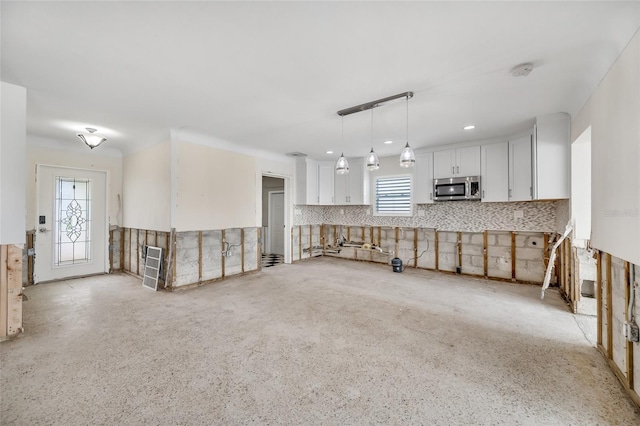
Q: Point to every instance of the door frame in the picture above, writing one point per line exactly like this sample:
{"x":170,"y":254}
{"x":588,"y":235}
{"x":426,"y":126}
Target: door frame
{"x":107,"y":181}
{"x":288,"y":210}
{"x":269,"y":246}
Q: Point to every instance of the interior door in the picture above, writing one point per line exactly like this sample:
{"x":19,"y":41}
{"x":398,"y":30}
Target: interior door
{"x":276,"y":222}
{"x":71,"y":223}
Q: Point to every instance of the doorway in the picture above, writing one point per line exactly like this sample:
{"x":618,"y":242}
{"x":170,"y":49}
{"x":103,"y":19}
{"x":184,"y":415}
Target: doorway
{"x":273,"y":221}
{"x":71,"y":223}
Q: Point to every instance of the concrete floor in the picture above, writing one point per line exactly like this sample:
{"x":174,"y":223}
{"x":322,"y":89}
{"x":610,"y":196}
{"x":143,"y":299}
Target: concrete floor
{"x":324,"y":341}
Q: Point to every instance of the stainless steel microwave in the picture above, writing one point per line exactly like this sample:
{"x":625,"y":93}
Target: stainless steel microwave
{"x":459,"y":188}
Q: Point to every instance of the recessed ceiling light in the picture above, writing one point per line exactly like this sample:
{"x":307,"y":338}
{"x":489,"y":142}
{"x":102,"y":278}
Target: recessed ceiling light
{"x":388,"y":142}
{"x":470,"y":127}
{"x":329,"y":152}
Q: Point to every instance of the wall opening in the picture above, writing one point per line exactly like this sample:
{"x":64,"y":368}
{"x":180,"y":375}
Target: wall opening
{"x":273,"y":236}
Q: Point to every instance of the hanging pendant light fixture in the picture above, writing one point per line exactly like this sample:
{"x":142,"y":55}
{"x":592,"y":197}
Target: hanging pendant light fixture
{"x":373,"y":163}
{"x":92,"y":140}
{"x":342,"y":166}
{"x":407,"y":157}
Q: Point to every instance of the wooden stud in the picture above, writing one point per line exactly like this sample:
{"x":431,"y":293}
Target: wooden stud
{"x":513,"y":256}
{"x":110,"y":251}
{"x":130,"y":242}
{"x":300,"y":242}
{"x":609,"y":310}
{"x":199,"y":256}
{"x":259,"y":249}
{"x":437,"y":249}
{"x":242,"y":248}
{"x":460,"y":250}
{"x":30,"y":243}
{"x":598,"y":291}
{"x":14,"y":289}
{"x":485,"y":252}
{"x":166,"y":247}
{"x":310,"y":240}
{"x":348,"y":234}
{"x":415,"y":247}
{"x":4,"y":290}
{"x":397,"y":246}
{"x":363,"y":237}
{"x":380,"y":236}
{"x":222,"y":252}
{"x":628,"y":344}
{"x":174,"y":249}
{"x":137,"y":252}
{"x":122,"y":249}
{"x":335,"y":235}
{"x":371,"y":240}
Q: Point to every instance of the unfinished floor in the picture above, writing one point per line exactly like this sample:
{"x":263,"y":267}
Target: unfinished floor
{"x":324,"y":341}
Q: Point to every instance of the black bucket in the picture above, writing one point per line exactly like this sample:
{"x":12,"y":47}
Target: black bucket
{"x":396,"y":263}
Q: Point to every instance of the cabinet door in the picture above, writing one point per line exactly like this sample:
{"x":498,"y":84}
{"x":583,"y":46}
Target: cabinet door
{"x":312,"y":181}
{"x":552,"y":162}
{"x":355,"y":182}
{"x":423,"y":179}
{"x":494,"y":172}
{"x":326,"y":172}
{"x":340,"y":190}
{"x":468,"y":161}
{"x":520,"y":186}
{"x":443,"y":164}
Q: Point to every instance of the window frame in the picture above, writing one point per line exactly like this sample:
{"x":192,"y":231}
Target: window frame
{"x":394,"y":213}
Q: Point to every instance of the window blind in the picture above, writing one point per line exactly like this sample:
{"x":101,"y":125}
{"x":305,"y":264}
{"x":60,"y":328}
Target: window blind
{"x":393,"y":194}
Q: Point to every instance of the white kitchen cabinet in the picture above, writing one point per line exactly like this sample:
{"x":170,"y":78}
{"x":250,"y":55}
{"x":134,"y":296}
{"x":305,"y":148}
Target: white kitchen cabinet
{"x":552,"y":157}
{"x":494,"y":172}
{"x":353,"y":187}
{"x":520,"y":165}
{"x":326,"y":172}
{"x":423,"y":179}
{"x":460,"y":162}
{"x":306,"y":181}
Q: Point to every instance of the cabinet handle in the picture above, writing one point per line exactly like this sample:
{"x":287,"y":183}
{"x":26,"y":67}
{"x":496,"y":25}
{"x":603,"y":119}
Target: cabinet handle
{"x":509,"y":193}
{"x":483,"y":193}
{"x":458,"y":169}
{"x":453,"y":170}
{"x":531,"y":191}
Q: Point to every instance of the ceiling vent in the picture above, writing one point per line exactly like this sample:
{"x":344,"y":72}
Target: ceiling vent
{"x":522,"y":70}
{"x":296,"y":154}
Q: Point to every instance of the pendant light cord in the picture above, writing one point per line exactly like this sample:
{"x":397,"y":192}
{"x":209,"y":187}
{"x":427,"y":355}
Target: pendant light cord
{"x":407,"y":120}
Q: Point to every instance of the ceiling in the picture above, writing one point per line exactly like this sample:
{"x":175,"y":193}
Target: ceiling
{"x":271,"y":75}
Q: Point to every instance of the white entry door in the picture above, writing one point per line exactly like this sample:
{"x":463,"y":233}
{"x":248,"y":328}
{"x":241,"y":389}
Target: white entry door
{"x":71,"y":223}
{"x":276,"y":222}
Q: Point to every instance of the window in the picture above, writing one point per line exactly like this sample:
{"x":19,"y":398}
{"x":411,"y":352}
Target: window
{"x":73,"y":220}
{"x":393,"y":195}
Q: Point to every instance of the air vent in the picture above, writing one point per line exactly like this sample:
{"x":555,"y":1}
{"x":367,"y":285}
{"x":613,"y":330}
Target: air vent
{"x":522,"y":70}
{"x":296,"y":154}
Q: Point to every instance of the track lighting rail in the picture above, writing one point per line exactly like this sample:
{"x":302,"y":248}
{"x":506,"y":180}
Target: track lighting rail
{"x":373,"y":104}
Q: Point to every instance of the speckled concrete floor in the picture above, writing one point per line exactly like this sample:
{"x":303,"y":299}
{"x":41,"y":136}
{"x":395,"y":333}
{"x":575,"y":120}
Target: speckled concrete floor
{"x":324,"y":341}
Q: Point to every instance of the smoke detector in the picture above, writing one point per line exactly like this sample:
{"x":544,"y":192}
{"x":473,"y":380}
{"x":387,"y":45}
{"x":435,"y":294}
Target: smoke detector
{"x":522,"y":70}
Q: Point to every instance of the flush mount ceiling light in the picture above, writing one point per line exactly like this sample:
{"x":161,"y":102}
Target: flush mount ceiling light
{"x":388,"y":142}
{"x":407,"y":157}
{"x":522,"y":70}
{"x":91,"y":139}
{"x":469,"y":127}
{"x":329,"y":152}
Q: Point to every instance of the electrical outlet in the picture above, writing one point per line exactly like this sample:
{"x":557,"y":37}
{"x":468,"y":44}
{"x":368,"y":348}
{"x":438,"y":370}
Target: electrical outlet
{"x":631,"y":332}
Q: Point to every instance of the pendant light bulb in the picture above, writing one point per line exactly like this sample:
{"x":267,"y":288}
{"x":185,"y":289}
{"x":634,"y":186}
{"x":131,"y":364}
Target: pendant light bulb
{"x":407,"y":157}
{"x":373,"y":163}
{"x":342,"y":166}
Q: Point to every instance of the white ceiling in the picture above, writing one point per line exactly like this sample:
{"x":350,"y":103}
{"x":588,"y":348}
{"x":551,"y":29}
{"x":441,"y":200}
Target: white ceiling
{"x":271,"y":75}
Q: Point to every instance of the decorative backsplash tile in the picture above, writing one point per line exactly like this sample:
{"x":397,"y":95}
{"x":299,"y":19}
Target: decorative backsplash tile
{"x":466,"y":216}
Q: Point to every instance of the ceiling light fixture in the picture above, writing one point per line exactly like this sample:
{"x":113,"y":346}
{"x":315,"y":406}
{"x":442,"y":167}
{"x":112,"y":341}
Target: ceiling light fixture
{"x":329,"y":152}
{"x":407,"y":157}
{"x":388,"y":142}
{"x":373,"y":163}
{"x":342,"y":166}
{"x":92,"y":139}
{"x":469,"y":127}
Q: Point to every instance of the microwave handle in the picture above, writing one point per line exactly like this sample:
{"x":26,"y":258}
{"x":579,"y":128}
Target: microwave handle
{"x":467,"y":189}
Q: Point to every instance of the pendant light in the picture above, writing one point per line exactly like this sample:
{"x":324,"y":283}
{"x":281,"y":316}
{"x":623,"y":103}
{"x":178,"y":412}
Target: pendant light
{"x":407,"y":157}
{"x":92,"y":140}
{"x":373,"y":163}
{"x":342,"y":166}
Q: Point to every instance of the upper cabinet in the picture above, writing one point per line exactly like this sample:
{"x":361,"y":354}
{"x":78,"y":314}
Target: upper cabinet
{"x":423,"y":179}
{"x":552,"y":157}
{"x":494,"y":172}
{"x":458,"y":162}
{"x":520,"y":183}
{"x":314,"y":182}
{"x":353,"y":187}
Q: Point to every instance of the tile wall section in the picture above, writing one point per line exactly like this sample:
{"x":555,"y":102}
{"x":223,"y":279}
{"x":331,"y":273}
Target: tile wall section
{"x":465,"y":216}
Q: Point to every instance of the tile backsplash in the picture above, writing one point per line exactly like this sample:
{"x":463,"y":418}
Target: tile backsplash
{"x":466,"y":216}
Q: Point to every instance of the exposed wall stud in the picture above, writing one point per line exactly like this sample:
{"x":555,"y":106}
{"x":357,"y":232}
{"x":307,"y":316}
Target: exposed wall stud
{"x":415,"y":247}
{"x":598,"y":291}
{"x":110,"y":252}
{"x":242,"y":248}
{"x":371,"y":240}
{"x":348,"y":233}
{"x":459,"y":245}
{"x":397,"y":246}
{"x":259,"y":249}
{"x":485,"y":253}
{"x":4,"y":290}
{"x":300,"y":242}
{"x":609,"y":310}
{"x":137,"y":252}
{"x":222,"y":252}
{"x":310,"y":240}
{"x":379,"y":235}
{"x":628,"y":344}
{"x":513,"y":256}
{"x":130,"y":242}
{"x":199,"y":256}
{"x":437,"y":249}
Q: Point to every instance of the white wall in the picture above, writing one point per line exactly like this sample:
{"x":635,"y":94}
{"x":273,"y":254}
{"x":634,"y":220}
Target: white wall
{"x":613,"y":113}
{"x":13,"y":110}
{"x":214,"y":188}
{"x":84,"y":158}
{"x":581,"y":187}
{"x":146,"y":198}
